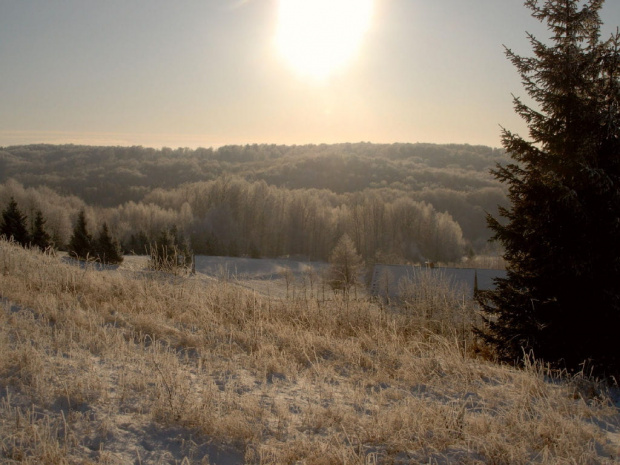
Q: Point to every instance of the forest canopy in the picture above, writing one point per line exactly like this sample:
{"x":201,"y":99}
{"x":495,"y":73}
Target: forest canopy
{"x":403,"y":201}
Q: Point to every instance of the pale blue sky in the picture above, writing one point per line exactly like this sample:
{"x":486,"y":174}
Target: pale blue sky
{"x":206,"y":73}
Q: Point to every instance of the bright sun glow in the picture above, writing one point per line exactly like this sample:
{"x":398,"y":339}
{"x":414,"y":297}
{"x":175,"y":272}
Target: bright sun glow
{"x":318,"y":36}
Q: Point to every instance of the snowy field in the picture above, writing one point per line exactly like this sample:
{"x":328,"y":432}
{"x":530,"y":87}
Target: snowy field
{"x":255,"y":268}
{"x":279,"y":278}
{"x":116,"y":368}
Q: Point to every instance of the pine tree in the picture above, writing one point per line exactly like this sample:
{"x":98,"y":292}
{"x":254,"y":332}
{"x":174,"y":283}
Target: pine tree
{"x":40,"y":237}
{"x":181,"y":246}
{"x":561,"y":297}
{"x":14,"y":224}
{"x":81,"y":243}
{"x":108,"y":250}
{"x":168,"y":254}
{"x":138,"y":243}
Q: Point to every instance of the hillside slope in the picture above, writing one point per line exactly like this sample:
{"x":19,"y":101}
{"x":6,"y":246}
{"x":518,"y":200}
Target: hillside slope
{"x":128,"y":366}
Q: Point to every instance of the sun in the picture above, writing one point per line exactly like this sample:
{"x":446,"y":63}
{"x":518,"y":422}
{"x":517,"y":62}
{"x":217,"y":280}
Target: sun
{"x":316,"y":37}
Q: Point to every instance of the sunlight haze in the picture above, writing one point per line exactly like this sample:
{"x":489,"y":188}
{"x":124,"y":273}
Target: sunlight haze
{"x":214,"y":72}
{"x":319,"y":36}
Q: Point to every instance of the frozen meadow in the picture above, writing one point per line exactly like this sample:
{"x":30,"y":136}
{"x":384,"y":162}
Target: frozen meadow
{"x":130,"y":366}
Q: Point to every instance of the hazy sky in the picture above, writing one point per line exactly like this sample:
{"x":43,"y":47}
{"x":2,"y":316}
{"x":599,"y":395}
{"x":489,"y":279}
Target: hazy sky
{"x":211,"y":72}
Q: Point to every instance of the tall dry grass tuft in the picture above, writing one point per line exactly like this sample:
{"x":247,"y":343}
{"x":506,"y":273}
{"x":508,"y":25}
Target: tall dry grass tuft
{"x":437,"y":305}
{"x":104,"y":366}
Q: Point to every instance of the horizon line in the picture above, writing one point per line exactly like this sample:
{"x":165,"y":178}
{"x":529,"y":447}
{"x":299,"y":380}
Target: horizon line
{"x":159,"y":141}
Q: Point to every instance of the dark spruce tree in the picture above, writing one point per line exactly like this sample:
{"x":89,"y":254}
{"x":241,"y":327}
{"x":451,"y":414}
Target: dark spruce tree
{"x":181,"y":246}
{"x":561,"y":297}
{"x":14,"y":224}
{"x":138,"y":244}
{"x":108,"y":250}
{"x":40,"y":237}
{"x":81,"y":242}
{"x":170,"y":252}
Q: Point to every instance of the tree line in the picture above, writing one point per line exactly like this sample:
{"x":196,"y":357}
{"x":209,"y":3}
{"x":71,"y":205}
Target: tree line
{"x":169,"y":252}
{"x":82,"y":245}
{"x":233,"y":216}
{"x":13,"y":227}
{"x":453,"y":178}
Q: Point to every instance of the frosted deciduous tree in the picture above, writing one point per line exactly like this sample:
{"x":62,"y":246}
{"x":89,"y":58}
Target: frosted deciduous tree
{"x":346,"y":266}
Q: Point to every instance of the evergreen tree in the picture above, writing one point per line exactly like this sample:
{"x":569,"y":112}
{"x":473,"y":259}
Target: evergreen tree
{"x":561,"y":297}
{"x":138,"y":244}
{"x":346,"y":266}
{"x":108,"y":250}
{"x":162,"y":252}
{"x":81,"y":243}
{"x":40,"y":237}
{"x":168,"y":254}
{"x":181,"y":246}
{"x":14,"y":224}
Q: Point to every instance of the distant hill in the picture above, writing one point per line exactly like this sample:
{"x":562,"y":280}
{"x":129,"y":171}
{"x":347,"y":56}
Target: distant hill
{"x":110,"y":176}
{"x":340,"y":183}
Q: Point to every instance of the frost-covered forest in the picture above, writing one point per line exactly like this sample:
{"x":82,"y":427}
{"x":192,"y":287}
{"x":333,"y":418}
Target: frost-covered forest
{"x":398,"y":202}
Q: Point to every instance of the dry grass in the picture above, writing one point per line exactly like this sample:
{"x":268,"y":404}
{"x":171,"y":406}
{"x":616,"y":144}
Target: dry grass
{"x":132,"y":367}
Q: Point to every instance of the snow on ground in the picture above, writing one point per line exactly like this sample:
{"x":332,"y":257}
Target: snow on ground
{"x":273,"y":277}
{"x":279,"y":278}
{"x":255,"y":268}
{"x":133,"y":437}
